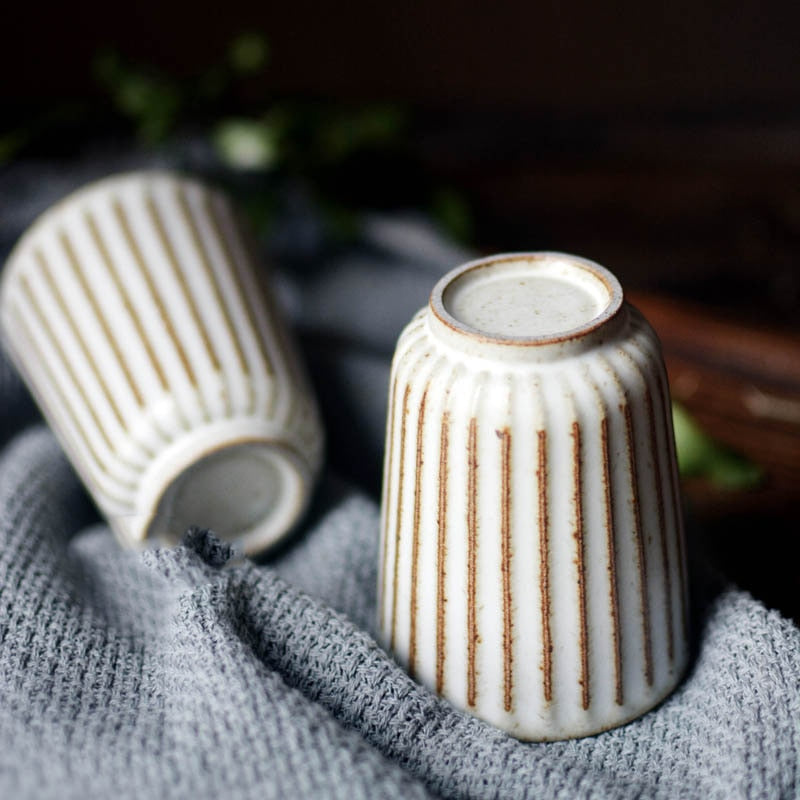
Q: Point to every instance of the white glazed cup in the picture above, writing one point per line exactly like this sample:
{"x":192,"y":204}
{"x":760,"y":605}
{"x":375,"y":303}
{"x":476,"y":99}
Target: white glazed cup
{"x":134,"y":311}
{"x":532,"y":556}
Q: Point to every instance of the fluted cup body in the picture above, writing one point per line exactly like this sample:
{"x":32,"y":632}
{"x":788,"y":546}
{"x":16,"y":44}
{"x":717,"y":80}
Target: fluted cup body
{"x":135,"y":311}
{"x":532,"y":558}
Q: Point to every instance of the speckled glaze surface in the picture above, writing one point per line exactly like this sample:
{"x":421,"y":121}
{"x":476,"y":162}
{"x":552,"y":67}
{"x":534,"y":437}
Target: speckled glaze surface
{"x":134,"y":312}
{"x":532,"y":557}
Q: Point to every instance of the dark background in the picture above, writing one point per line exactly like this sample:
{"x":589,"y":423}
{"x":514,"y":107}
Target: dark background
{"x":569,"y":57}
{"x":662,"y":140}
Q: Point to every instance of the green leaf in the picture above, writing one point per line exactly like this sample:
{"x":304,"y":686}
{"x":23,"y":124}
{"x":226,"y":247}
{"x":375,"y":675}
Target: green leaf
{"x":11,"y":143}
{"x":342,"y":133}
{"x":152,"y":101}
{"x":691,"y":442}
{"x":452,"y":212}
{"x":248,"y":53}
{"x":246,"y":144}
{"x":700,"y":455}
{"x":729,"y":471}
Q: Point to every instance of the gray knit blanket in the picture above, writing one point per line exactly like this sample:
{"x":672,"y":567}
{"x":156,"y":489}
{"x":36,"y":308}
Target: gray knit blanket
{"x":192,"y":673}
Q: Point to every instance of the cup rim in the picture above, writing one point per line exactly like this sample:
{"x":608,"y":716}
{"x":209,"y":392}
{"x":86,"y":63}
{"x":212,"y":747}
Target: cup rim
{"x":610,"y":282}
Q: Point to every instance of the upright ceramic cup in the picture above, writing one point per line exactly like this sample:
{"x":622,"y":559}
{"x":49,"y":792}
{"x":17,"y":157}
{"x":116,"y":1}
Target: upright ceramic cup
{"x":532,"y":558}
{"x":134,"y":312}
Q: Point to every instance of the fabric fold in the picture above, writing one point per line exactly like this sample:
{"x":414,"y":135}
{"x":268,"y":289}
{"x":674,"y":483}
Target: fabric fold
{"x":191,"y":672}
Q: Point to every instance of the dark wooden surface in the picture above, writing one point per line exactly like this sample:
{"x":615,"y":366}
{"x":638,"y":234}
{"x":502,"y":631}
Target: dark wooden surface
{"x":742,"y":384}
{"x":698,"y":207}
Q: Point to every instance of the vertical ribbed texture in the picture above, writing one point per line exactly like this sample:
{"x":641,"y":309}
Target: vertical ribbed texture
{"x":134,"y":311}
{"x":175,"y":678}
{"x":533,"y":568}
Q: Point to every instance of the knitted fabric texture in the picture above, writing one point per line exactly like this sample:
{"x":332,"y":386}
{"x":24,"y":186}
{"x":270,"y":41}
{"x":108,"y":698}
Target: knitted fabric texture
{"x":187,"y":672}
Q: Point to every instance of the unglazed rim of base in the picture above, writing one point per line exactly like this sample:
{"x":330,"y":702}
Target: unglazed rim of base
{"x":608,"y":280}
{"x":272,"y":524}
{"x":173,"y":465}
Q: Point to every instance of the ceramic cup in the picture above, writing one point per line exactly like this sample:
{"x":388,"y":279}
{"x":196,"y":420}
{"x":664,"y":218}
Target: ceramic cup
{"x":133,"y":310}
{"x":532,"y":557}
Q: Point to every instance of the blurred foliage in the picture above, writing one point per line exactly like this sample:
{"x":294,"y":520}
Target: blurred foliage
{"x":701,"y":456}
{"x":246,"y":143}
{"x":150,"y":100}
{"x":305,"y":138}
{"x":248,"y":53}
{"x":10,"y":143}
{"x":452,"y":212}
{"x":347,"y":157}
{"x":158,"y":103}
{"x":48,"y":129}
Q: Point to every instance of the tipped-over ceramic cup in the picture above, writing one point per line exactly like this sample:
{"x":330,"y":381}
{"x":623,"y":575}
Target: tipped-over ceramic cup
{"x":133,"y":310}
{"x":532,"y":557}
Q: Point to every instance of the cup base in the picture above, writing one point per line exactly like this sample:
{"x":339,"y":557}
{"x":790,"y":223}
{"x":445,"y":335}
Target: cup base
{"x":240,"y":493}
{"x":245,"y":486}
